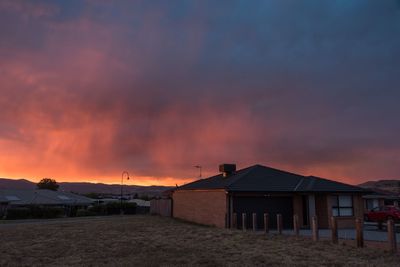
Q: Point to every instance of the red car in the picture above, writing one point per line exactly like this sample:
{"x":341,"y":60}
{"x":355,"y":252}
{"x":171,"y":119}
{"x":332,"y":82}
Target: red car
{"x":382,"y":214}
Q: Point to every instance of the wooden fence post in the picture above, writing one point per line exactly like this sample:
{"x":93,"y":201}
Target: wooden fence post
{"x":334,"y":229}
{"x":391,"y":236}
{"x":254,"y":221}
{"x":244,"y":222}
{"x":234,"y":221}
{"x":315,"y":233}
{"x":266,"y":222}
{"x":359,"y":233}
{"x":279,"y":223}
{"x":296,"y":225}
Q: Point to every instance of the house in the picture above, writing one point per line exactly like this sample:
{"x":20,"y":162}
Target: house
{"x":380,"y":198}
{"x":260,"y":189}
{"x":107,"y":200}
{"x":42,"y":197}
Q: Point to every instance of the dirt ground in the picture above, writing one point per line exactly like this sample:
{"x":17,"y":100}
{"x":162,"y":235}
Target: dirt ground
{"x":155,"y":241}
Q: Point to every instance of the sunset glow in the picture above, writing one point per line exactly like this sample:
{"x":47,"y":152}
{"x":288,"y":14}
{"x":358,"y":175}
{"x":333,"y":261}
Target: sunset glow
{"x":89,"y":89}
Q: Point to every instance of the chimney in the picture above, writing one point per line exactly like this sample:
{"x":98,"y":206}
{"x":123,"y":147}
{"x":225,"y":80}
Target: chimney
{"x":227,"y":169}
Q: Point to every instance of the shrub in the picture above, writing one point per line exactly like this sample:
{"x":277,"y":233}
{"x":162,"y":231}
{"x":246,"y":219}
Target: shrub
{"x":115,"y":208}
{"x":18,"y":213}
{"x":43,"y":212}
{"x":34,"y":212}
{"x":52,"y":212}
{"x":129,"y":208}
{"x":98,"y":209}
{"x":83,"y":212}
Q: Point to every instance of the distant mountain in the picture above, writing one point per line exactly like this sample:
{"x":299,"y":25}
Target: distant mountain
{"x":85,"y":188}
{"x":21,"y":184}
{"x":390,"y":186}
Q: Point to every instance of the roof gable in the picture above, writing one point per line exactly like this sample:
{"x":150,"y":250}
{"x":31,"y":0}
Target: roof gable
{"x":217,"y":181}
{"x":260,"y":178}
{"x":318,"y":184}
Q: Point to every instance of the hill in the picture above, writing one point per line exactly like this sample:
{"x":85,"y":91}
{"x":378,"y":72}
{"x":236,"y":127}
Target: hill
{"x":21,"y":184}
{"x":85,"y":188}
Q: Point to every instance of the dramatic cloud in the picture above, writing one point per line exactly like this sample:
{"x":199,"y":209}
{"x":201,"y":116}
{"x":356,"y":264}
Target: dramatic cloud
{"x":92,"y":88}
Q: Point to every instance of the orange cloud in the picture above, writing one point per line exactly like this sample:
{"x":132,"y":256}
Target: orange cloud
{"x":87,"y":93}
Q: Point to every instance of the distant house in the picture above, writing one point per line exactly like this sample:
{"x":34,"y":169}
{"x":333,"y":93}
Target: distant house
{"x":259,"y":189}
{"x":379,"y":198}
{"x":106,"y":200}
{"x":41,"y":197}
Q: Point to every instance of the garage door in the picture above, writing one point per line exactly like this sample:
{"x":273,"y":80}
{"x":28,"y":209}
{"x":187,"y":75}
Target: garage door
{"x":261,"y":205}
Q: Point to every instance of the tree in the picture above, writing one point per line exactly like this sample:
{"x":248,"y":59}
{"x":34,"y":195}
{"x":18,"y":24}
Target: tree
{"x":48,"y":183}
{"x":145,"y":197}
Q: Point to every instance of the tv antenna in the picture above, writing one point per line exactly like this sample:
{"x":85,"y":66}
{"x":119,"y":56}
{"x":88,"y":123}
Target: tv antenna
{"x":198,"y":167}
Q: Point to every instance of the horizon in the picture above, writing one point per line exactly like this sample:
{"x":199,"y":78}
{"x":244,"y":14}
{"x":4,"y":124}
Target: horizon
{"x":189,"y":180}
{"x":91,"y":181}
{"x":90,"y":89}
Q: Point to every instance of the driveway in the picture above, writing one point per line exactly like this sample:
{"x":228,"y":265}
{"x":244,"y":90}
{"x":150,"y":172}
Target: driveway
{"x":371,"y":233}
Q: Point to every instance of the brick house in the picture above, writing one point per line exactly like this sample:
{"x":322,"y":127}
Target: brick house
{"x":14,"y":198}
{"x":259,"y":189}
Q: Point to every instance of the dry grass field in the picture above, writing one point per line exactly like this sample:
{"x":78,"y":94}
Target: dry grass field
{"x":155,"y":241}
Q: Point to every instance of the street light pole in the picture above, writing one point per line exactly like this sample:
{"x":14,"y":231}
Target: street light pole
{"x":122,"y":183}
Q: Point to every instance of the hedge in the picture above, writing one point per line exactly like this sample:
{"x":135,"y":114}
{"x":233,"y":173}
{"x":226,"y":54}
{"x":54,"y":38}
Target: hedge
{"x":34,"y":212}
{"x":43,"y":212}
{"x":113,"y":208}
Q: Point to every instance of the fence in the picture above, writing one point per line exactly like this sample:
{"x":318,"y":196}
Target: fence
{"x":315,"y":231}
{"x":162,"y":206}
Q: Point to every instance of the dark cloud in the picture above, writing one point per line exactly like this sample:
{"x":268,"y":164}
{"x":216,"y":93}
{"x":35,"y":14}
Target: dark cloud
{"x":91,"y":88}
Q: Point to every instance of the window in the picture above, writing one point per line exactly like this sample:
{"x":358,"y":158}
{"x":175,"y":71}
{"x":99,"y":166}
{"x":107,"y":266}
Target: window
{"x":372,"y":203}
{"x":342,"y":206}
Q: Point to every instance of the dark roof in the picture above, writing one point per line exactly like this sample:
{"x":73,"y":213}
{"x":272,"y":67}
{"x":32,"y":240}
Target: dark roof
{"x":380,"y":193}
{"x":3,"y":199}
{"x":43,"y":197}
{"x":260,"y":178}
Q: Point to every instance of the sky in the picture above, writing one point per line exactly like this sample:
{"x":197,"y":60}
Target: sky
{"x":89,"y":89}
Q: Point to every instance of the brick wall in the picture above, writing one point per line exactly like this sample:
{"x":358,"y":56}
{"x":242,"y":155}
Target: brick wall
{"x":201,"y":206}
